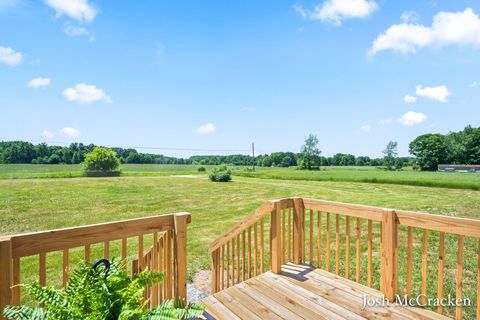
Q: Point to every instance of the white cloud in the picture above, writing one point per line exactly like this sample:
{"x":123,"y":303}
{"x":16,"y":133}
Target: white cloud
{"x":410,"y":118}
{"x":335,"y":11}
{"x":70,"y":132}
{"x":409,"y":17}
{"x":38,"y":82}
{"x":366,"y":128}
{"x":10,"y":57}
{"x":85,"y":94}
{"x":80,"y":10}
{"x":439,"y":93}
{"x":474,"y":84}
{"x":386,"y":121}
{"x":409,"y":99}
{"x":47,"y":134}
{"x":206,"y":128}
{"x":448,"y":28}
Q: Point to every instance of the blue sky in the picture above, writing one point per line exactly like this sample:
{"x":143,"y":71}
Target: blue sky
{"x":221,"y":74}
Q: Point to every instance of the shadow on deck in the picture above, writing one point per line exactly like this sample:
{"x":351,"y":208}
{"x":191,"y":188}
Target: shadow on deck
{"x":301,"y":292}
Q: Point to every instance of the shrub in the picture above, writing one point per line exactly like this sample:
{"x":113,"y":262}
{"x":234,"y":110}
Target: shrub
{"x":201,"y":169}
{"x":101,"y":162}
{"x":220,"y":174}
{"x":100,"y":293}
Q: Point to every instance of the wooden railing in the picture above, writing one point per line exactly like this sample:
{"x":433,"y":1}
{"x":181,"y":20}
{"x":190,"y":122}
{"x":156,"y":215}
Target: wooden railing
{"x":385,"y":249}
{"x":50,"y":252}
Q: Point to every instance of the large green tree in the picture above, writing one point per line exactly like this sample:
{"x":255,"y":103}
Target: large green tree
{"x":101,"y":160}
{"x":430,"y":150}
{"x":309,"y":153}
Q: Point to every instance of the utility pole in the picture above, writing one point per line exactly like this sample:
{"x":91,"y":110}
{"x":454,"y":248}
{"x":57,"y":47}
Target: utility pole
{"x":253,"y":155}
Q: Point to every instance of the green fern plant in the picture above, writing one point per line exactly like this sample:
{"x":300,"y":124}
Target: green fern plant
{"x":101,"y":294}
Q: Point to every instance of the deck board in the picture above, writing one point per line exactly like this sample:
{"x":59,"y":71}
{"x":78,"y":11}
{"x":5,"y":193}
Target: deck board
{"x":300,"y":292}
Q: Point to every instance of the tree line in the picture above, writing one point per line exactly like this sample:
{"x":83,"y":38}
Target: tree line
{"x":429,"y":150}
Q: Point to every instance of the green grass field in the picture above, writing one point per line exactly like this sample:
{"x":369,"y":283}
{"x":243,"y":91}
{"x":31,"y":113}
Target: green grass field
{"x":457,"y":180}
{"x":40,"y":204}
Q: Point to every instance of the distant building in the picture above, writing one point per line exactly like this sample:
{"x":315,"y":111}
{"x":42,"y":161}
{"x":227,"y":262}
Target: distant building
{"x":459,"y":167}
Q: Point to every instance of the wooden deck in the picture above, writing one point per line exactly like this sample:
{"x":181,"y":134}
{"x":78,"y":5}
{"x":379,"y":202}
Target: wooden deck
{"x":301,"y":292}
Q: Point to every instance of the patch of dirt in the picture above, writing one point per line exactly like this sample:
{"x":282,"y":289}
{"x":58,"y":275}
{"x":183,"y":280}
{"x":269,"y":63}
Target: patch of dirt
{"x":202,"y":281}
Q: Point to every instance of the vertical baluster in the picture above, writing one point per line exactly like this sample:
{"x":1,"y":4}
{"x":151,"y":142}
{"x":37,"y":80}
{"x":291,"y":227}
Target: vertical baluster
{"x":16,"y":282}
{"x":423,"y":298}
{"x":458,"y":309}
{"x":347,"y":247}
{"x":409,"y":260}
{"x":168,"y":264}
{"x":42,"y":269}
{"x":370,"y":247}
{"x":255,"y":249}
{"x":161,"y":252}
{"x":357,"y":252}
{"x":337,"y":244}
{"x":106,"y":249}
{"x":311,"y":237}
{"x":238,"y":258}
{"x":243,"y":256}
{"x":440,"y":271}
{"x":65,"y":267}
{"x":228,"y":264}
{"x":289,"y":233}
{"x":87,"y":253}
{"x":478,"y":279}
{"x":233,"y":261}
{"x":222,"y":274}
{"x":327,"y":257}
{"x":283,"y":250}
{"x":262,"y":246}
{"x":319,"y":239}
{"x":249,"y":240}
{"x":124,"y":252}
{"x":156,"y":268}
{"x":140,"y":252}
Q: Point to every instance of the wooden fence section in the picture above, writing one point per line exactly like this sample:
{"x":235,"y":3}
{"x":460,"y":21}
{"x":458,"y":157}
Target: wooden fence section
{"x":167,"y":233}
{"x":360,"y":243}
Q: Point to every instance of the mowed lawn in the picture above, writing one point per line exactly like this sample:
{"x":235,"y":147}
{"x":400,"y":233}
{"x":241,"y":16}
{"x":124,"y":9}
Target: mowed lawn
{"x":41,"y":204}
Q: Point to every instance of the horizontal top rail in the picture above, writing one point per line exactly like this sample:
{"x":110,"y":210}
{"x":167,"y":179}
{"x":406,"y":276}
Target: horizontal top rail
{"x":353,"y":210}
{"x":453,"y":225}
{"x":46,"y":241}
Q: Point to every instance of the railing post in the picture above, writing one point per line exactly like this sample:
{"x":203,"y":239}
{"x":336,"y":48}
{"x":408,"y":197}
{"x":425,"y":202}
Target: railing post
{"x":388,"y":248}
{"x":216,"y":270}
{"x":180,"y":255}
{"x":276,"y":240}
{"x":298,"y":230}
{"x":6,"y":273}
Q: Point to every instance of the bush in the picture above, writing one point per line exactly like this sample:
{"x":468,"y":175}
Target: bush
{"x":201,"y":169}
{"x":101,"y":162}
{"x":220,"y":174}
{"x":101,"y":293}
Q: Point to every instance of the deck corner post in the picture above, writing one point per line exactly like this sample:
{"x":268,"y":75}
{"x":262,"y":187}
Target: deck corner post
{"x":298,"y":230}
{"x":276,"y":240}
{"x":180,"y":255}
{"x":6,"y":274}
{"x":215,"y":271}
{"x":389,"y":255}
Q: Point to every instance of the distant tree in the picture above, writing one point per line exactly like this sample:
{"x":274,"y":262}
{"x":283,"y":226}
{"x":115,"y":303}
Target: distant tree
{"x":309,"y":153}
{"x":390,"y":153}
{"x":430,"y":150}
{"x":101,"y":160}
{"x":362,"y":161}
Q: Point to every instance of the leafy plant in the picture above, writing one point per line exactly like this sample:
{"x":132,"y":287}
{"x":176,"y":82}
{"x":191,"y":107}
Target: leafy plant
{"x":201,"y":169}
{"x":101,"y":294}
{"x":101,"y":161}
{"x":220,"y":174}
